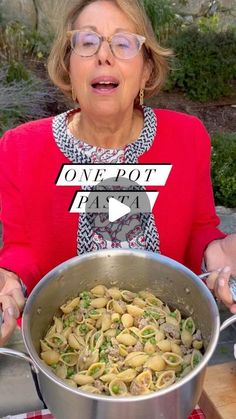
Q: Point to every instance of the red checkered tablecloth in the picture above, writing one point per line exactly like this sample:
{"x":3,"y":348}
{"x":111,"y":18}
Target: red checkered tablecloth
{"x":45,"y":414}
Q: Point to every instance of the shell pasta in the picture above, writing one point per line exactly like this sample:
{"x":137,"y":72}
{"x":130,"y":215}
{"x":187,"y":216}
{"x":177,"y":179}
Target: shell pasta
{"x":119,"y":343}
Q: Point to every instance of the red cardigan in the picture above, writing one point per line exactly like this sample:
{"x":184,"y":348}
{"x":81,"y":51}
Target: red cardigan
{"x":39,"y":232}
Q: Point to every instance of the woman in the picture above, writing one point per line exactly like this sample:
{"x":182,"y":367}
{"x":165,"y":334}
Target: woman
{"x":105,"y":58}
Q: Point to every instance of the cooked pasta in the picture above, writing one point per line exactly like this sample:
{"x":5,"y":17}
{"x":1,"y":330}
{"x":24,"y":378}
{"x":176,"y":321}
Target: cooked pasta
{"x":119,"y":343}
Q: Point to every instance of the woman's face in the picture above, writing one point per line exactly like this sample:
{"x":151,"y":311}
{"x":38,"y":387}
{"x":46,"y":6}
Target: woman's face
{"x":129,"y":75}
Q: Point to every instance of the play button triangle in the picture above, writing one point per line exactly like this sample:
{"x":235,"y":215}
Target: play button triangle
{"x":117,"y":210}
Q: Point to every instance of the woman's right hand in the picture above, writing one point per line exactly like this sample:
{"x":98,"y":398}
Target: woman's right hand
{"x":218,"y":282}
{"x":12,"y":302}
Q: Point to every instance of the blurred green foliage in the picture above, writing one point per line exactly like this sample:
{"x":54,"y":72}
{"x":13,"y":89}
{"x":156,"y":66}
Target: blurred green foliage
{"x":223,"y":169}
{"x":163,"y":18}
{"x":209,"y":23}
{"x":16,"y":72}
{"x":25,"y":100}
{"x":204,"y":66}
{"x":23,"y":95}
{"x":17,"y":43}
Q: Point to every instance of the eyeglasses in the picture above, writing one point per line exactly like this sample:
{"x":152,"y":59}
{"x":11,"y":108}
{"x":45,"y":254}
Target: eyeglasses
{"x":123,"y":45}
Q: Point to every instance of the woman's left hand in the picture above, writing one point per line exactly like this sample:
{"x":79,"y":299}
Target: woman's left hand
{"x":220,"y":257}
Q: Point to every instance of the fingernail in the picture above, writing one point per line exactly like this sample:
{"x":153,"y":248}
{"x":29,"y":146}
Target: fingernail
{"x":226,"y":270}
{"x":11,"y":311}
{"x":221,"y":283}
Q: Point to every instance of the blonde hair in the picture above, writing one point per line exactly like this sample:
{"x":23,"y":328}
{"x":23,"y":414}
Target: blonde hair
{"x":59,"y":58}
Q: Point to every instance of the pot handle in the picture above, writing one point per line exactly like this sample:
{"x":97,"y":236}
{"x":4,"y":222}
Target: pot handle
{"x":232,"y":286}
{"x":228,"y":322}
{"x":232,"y":283}
{"x":21,"y":355}
{"x":34,"y":369}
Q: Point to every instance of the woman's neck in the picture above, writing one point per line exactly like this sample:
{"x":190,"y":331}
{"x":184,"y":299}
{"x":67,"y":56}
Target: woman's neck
{"x":98,"y":132}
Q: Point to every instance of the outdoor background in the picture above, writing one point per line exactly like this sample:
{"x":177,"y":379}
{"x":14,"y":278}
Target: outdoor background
{"x":202,"y":80}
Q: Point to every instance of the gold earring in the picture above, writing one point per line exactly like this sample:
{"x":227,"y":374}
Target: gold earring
{"x":73,"y":94}
{"x":141,"y":97}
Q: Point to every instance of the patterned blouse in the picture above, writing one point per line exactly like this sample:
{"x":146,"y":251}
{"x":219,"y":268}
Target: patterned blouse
{"x":104,"y":233}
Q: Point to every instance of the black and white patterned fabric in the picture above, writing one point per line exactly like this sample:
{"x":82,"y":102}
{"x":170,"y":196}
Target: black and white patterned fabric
{"x":69,"y":147}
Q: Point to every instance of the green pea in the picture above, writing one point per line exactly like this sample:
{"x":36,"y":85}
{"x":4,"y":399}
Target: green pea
{"x":83,"y":329}
{"x":104,"y":358}
{"x":172,"y":358}
{"x":94,"y":370}
{"x":150,"y":313}
{"x":147,"y":332}
{"x":146,"y":313}
{"x":67,"y":359}
{"x":84,"y":295}
{"x":93,"y":312}
{"x":70,"y":372}
{"x":115,"y":389}
{"x":189,"y":326}
{"x":58,"y":341}
{"x":196,"y":360}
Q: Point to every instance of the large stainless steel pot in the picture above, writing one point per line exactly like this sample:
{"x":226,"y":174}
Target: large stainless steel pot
{"x":133,"y":270}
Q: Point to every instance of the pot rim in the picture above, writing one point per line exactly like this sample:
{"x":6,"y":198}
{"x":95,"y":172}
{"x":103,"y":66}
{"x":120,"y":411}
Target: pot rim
{"x":108,"y":252}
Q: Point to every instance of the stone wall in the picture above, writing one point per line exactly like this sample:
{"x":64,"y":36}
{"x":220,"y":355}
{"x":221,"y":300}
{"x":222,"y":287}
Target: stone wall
{"x":43,"y":14}
{"x":195,"y":9}
{"x":37,"y":14}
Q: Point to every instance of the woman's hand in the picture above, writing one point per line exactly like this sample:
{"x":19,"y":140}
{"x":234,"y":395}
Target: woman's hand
{"x":218,"y":282}
{"x":11,"y":302}
{"x":220,"y":257}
